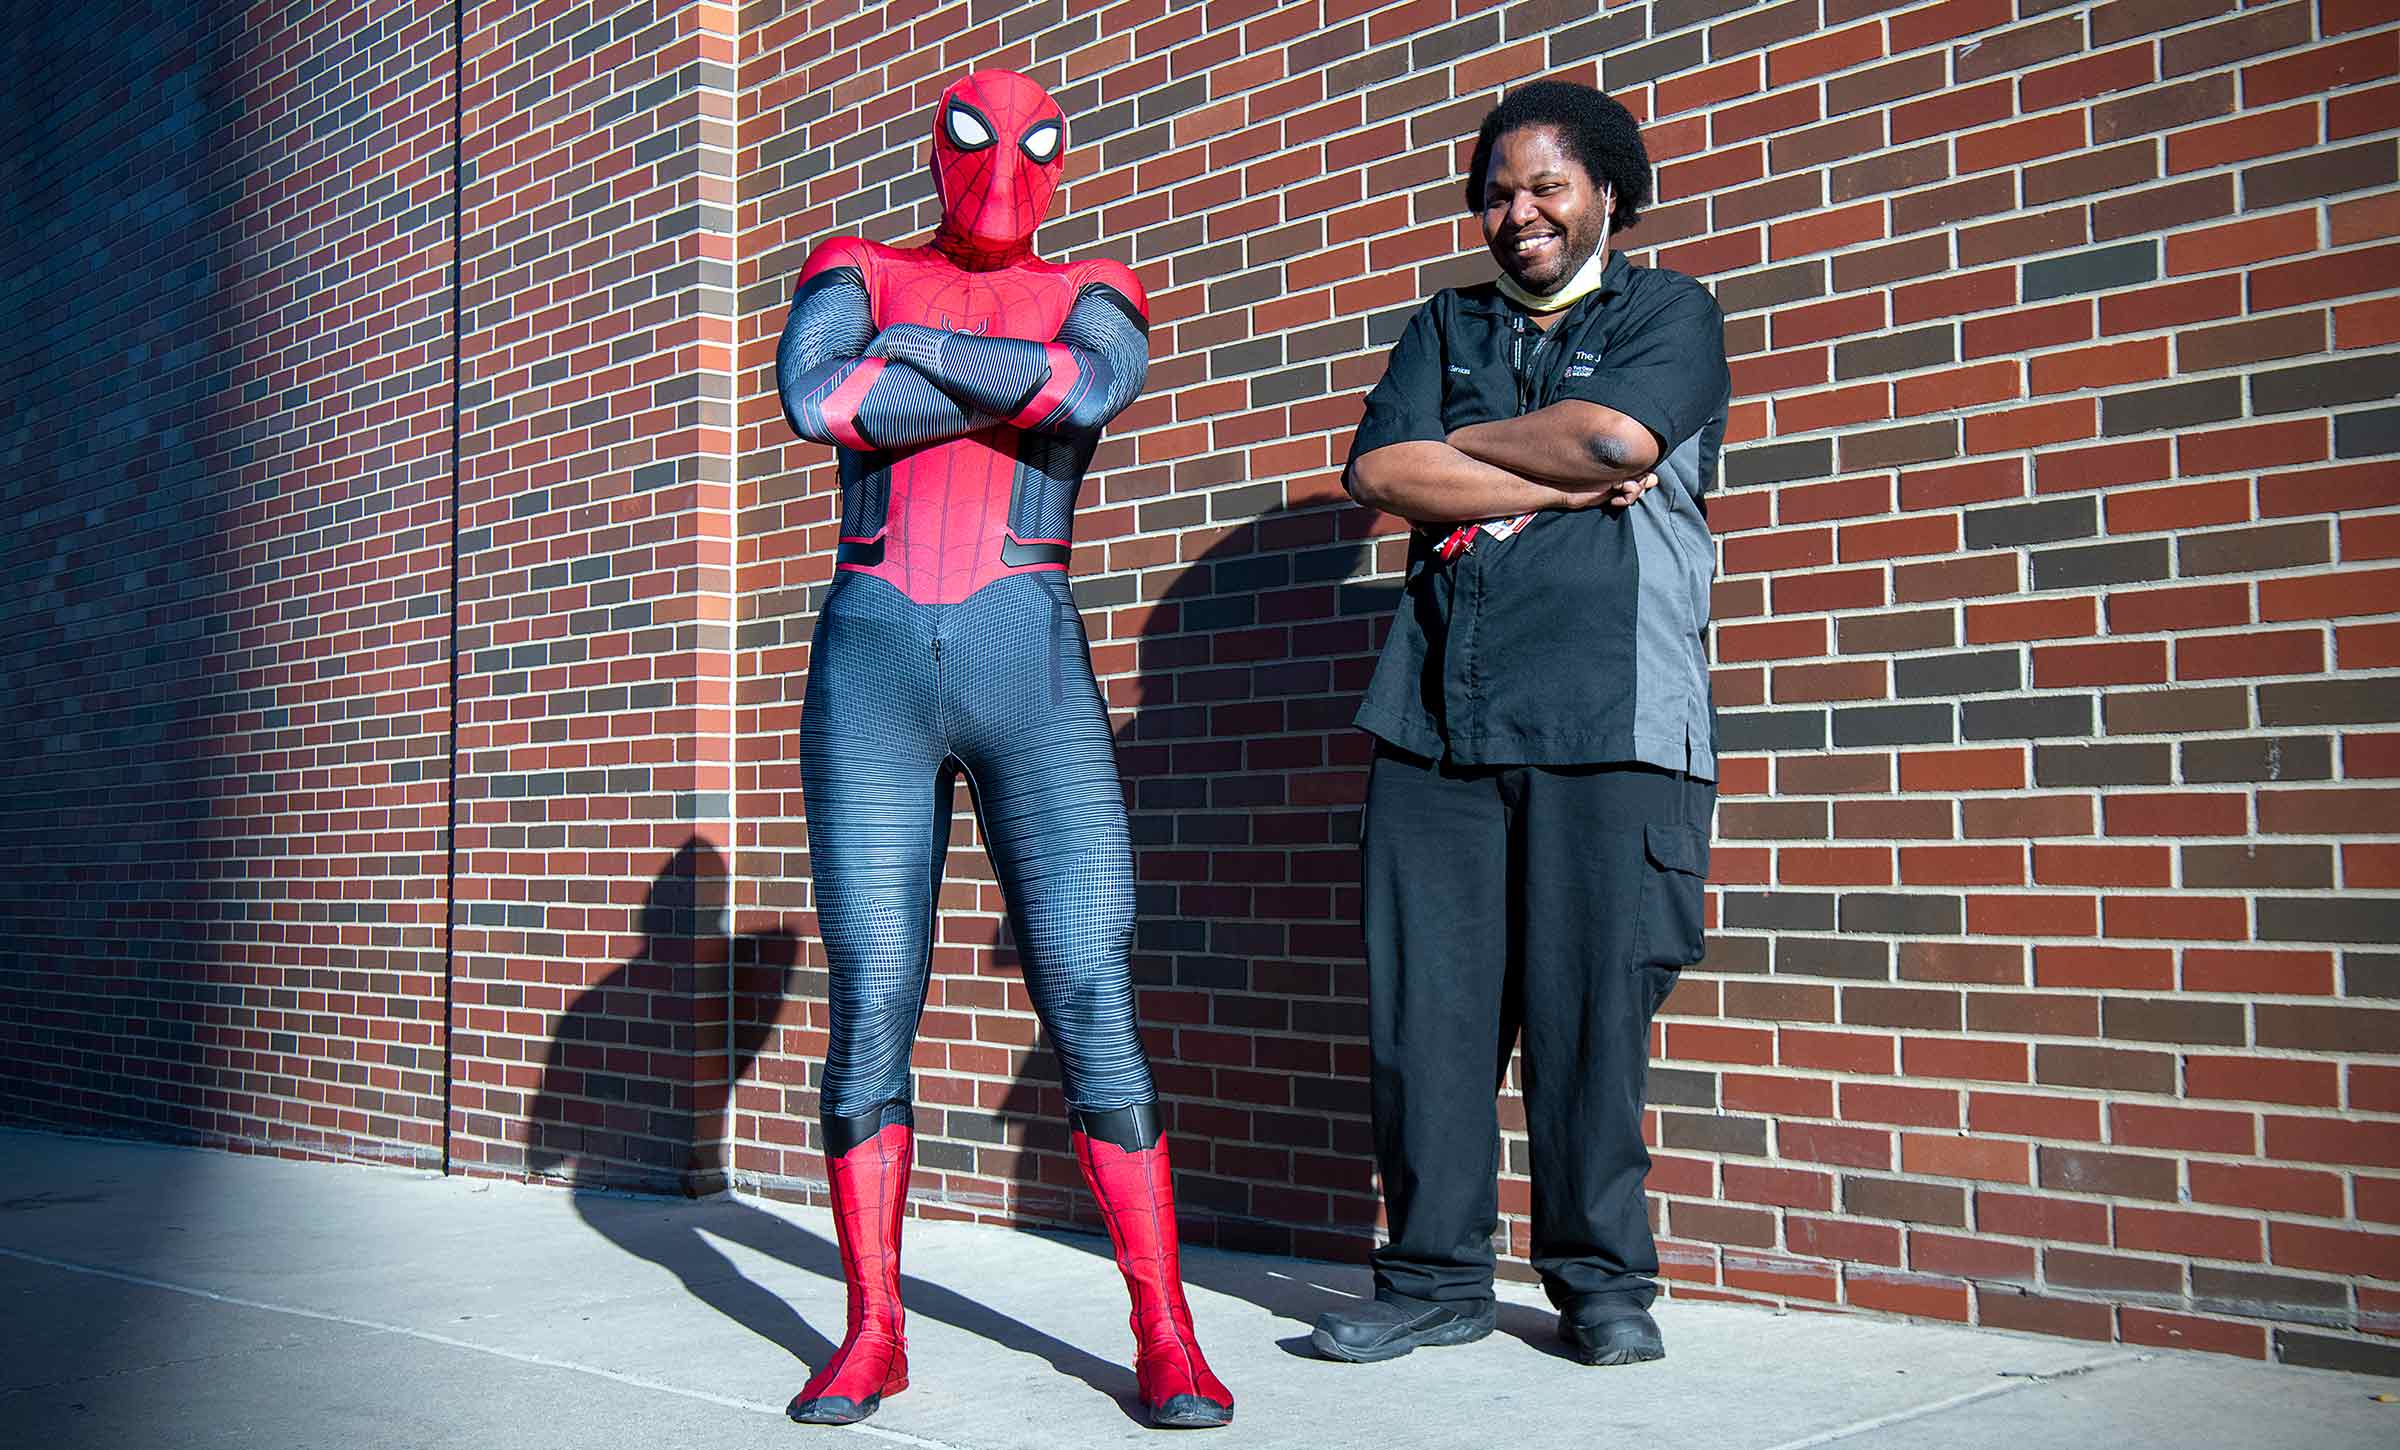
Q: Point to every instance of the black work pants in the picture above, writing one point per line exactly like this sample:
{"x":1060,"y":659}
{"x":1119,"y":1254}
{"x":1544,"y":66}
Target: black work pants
{"x":1555,"y":904}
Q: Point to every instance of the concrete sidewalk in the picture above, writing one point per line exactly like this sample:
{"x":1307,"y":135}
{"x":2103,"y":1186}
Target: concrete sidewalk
{"x":165,"y":1297}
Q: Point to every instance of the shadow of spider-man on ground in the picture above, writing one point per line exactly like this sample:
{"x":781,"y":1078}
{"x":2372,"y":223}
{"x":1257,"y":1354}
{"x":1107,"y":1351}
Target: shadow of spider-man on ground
{"x":621,"y":1136}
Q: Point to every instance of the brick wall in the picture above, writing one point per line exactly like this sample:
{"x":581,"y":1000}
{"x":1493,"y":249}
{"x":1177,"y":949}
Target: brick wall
{"x":2053,"y":978}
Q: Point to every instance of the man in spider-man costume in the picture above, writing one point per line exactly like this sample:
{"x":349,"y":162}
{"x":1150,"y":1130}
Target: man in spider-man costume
{"x":964,"y":384}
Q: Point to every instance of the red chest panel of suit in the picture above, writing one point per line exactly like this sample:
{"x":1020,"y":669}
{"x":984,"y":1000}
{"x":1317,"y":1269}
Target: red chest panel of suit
{"x":946,"y":523}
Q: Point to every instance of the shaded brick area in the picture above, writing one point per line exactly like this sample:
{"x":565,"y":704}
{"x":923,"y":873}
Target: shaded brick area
{"x":226,"y":466}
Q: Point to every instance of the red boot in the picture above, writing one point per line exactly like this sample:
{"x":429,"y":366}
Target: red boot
{"x":870,"y":1187}
{"x":1137,"y":1198}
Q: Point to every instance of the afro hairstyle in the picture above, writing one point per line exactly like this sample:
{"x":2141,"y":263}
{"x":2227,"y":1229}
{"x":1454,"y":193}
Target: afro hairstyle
{"x":1598,"y":132}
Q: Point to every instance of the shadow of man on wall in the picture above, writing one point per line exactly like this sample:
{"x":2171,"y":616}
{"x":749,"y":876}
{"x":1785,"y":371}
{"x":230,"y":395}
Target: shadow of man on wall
{"x":615,"y":1123}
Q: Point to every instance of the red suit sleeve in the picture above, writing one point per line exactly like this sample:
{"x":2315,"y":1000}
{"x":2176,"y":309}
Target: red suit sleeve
{"x":831,"y":391}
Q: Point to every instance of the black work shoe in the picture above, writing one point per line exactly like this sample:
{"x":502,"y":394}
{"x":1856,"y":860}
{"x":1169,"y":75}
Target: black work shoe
{"x":1608,"y":1329}
{"x":1383,"y":1329}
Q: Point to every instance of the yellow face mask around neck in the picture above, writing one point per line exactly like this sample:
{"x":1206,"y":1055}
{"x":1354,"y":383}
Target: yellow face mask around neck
{"x":1585,"y":282}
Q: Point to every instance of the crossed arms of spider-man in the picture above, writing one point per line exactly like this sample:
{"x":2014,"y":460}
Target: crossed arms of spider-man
{"x":845,"y":383}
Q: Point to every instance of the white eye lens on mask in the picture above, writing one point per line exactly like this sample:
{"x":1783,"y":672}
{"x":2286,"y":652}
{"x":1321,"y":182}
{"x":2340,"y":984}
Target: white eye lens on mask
{"x":966,"y":129}
{"x":1041,"y":143}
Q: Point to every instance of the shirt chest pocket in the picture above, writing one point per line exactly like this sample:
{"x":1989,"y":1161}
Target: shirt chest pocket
{"x":1477,"y":395}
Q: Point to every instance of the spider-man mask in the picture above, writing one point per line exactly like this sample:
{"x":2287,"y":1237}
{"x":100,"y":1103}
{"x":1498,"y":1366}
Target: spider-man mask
{"x":998,"y":147}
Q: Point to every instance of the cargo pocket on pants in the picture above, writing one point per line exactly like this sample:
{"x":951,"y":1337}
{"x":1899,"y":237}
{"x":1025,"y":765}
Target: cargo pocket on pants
{"x":1672,"y":935}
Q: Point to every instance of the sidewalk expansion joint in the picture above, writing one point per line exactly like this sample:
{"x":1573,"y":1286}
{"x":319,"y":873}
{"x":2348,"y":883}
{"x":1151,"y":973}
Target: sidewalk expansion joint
{"x":2010,"y":1383}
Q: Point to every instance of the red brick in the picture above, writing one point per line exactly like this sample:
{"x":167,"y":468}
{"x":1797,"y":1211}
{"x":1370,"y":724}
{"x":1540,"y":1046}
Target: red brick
{"x":2334,"y":1250}
{"x":2367,"y":646}
{"x":2190,"y":1235}
{"x":2171,"y":304}
{"x":1956,"y":389}
{"x":1825,"y":231}
{"x":2374,"y":867}
{"x":1952,"y":110}
{"x":2258,"y":972}
{"x":2171,"y":813}
{"x":2032,"y":426}
{"x":2164,"y":1330}
{"x":2027,"y":328}
{"x":2330,"y":596}
{"x":2263,"y":1079}
{"x":2242,"y":243}
{"x":1897,"y":538}
{"x":1994,"y":1160}
{"x":1798,"y":1097}
{"x":1986,"y":963}
{"x":2256,"y":445}
{"x":1829,"y":590}
{"x":1703,"y":1042}
{"x":1913,"y":1295}
{"x":2200,"y":606}
{"x":1948,"y":485}
{"x":2133,"y":662}
{"x":2371,"y":757}
{"x":2069,"y":1318}
{"x":1780,"y":1187}
{"x":2175,"y":918}
{"x":2029,"y":817}
{"x":2107,"y":465}
{"x":1971,"y":1258}
{"x":1817,"y":322}
{"x":1834,"y":866}
{"x":2330,"y":1140}
{"x":1933,"y":24}
{"x":1841,"y":680}
{"x":1821,"y":54}
{"x":1808,"y":412}
{"x":2041,"y":1217}
{"x":1843,"y":1240}
{"x":1956,"y":1057}
{"x":2326,"y":490}
{"x":1962,"y":865}
{"x":2142,"y":1125}
{"x":2020,"y":141}
{"x":2268,"y":1189}
{"x":1776,"y":1274}
{"x":2364,"y":220}
{"x":1778,"y":111}
{"x":2244,"y":138}
{"x":2228,"y":656}
{"x":1832,"y":1052}
{"x":2125,"y":968}
{"x":2032,"y":914}
{"x":2183,"y":506}
{"x":1916,"y":1107}
{"x":1782,"y":639}
{"x":1777,"y":551}
{"x":2087,"y":77}
{"x":2379,"y":1202}
{"x":2106,"y":366}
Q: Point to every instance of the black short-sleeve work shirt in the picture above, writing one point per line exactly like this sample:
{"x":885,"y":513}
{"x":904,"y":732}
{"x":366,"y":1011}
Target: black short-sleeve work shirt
{"x":1582,"y":638}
